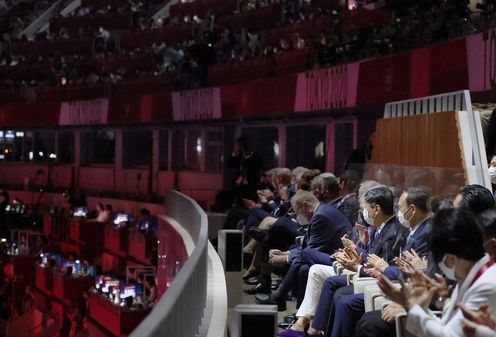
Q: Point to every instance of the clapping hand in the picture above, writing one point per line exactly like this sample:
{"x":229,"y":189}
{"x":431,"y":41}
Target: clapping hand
{"x":484,"y":316}
{"x":419,"y":292}
{"x":410,"y":262}
{"x":347,"y":242}
{"x":350,"y":260}
{"x":377,"y":262}
{"x":390,"y":311}
{"x":373,"y":272}
{"x":250,"y":204}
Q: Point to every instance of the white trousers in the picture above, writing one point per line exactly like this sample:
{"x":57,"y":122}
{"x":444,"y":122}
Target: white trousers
{"x":317,"y":274}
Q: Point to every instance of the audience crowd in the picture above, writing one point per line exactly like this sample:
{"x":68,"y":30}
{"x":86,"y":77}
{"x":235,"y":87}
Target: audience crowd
{"x":320,"y":240}
{"x":413,"y":24}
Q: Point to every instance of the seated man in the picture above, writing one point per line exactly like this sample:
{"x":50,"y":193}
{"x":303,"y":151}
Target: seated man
{"x":413,"y":203}
{"x":326,"y":226}
{"x":377,"y":324}
{"x":385,"y":239}
{"x":280,"y":233}
{"x":457,"y":247}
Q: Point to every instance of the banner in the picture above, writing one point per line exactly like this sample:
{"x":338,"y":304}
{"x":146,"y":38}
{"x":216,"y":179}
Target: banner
{"x":196,"y":104}
{"x":481,"y":59}
{"x":384,"y":79}
{"x":328,"y":88}
{"x":448,"y":67}
{"x":84,"y":112}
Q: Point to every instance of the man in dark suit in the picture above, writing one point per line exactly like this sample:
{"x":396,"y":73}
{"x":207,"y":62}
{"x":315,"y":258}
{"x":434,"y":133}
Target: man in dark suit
{"x":382,"y":241}
{"x":375,"y":324}
{"x":326,"y":227}
{"x":414,"y":215}
{"x":348,"y":204}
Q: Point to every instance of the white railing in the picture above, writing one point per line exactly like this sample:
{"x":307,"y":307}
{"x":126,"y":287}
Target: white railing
{"x":453,"y":101}
{"x":41,"y":21}
{"x":196,"y":303}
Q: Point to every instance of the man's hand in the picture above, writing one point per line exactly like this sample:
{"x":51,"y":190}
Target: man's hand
{"x":340,"y":254}
{"x":377,"y":262}
{"x":276,"y":252}
{"x":267,"y":223}
{"x":264,"y":196}
{"x":250,"y":204}
{"x":351,"y":260}
{"x":419,"y":292}
{"x":347,"y":243}
{"x":415,"y":261}
{"x":279,"y":260}
{"x":484,"y":316}
{"x":391,"y":311}
{"x":373,"y":272}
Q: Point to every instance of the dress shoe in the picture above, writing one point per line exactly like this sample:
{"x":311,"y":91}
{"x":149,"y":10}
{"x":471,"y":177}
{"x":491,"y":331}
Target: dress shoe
{"x":250,"y":274}
{"x":268,"y":299}
{"x":262,"y":287}
{"x":254,"y":280}
{"x":290,"y":319}
{"x":257,"y":234}
{"x":283,"y":325}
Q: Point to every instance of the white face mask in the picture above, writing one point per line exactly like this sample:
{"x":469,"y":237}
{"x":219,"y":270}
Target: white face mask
{"x":302,"y":220}
{"x":366,"y":217}
{"x":447,"y":271}
{"x":402,"y":220}
{"x":492,"y":173}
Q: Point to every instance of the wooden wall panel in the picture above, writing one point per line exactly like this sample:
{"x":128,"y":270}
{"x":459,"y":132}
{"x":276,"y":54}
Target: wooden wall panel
{"x":422,"y":150}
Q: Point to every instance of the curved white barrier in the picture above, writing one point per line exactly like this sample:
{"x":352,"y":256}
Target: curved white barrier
{"x":196,"y":302}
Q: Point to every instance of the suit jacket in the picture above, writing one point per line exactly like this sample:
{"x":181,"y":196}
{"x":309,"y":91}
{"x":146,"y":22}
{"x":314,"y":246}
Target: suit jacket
{"x":483,"y":290}
{"x":418,"y":241}
{"x":325,"y":229}
{"x":385,"y":244}
{"x":349,"y":206}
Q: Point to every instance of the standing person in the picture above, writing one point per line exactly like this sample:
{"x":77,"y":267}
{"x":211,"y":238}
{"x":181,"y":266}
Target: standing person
{"x":246,"y":169}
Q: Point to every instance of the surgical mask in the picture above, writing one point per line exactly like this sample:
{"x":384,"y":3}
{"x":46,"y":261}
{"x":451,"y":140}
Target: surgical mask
{"x":366,"y":217}
{"x":492,"y":174}
{"x":302,"y":220}
{"x":401,"y":218}
{"x":447,"y":271}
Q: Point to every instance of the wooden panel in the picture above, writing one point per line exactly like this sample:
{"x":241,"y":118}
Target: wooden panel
{"x":422,"y":150}
{"x":429,"y":140}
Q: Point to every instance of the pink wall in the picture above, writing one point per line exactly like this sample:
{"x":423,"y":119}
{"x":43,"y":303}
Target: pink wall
{"x":200,"y":186}
{"x":126,"y":180}
{"x":99,"y":178}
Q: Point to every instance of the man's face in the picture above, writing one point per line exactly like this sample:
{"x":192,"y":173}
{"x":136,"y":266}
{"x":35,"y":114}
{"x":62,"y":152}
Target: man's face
{"x":370,"y":212}
{"x":305,"y":210}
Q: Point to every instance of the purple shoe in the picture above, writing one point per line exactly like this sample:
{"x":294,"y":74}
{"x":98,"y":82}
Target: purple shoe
{"x":292,"y":333}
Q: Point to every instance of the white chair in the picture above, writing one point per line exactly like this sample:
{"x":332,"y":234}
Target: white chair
{"x":361,"y":282}
{"x":370,"y":293}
